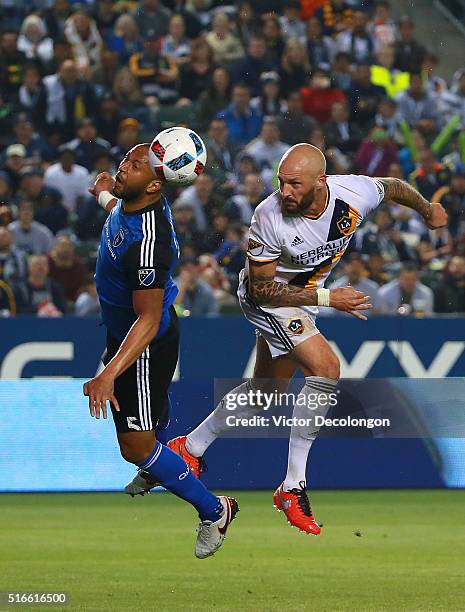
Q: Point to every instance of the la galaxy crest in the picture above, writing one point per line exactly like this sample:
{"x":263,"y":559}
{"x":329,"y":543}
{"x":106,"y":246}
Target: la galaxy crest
{"x":296,"y":326}
{"x":345,"y":225}
{"x":146,"y":276}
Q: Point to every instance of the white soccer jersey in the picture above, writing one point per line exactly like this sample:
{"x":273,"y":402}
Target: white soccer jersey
{"x":307,"y":248}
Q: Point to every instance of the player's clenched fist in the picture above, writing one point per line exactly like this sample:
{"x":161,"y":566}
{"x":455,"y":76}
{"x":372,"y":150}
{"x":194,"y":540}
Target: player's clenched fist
{"x":103,"y":182}
{"x":350,"y":300}
{"x":438,"y":216}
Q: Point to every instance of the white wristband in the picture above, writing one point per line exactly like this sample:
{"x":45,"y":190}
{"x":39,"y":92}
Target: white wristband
{"x":104,"y":197}
{"x":323,"y":297}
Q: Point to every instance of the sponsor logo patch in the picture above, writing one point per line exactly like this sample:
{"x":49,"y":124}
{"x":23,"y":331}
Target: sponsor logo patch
{"x":254,"y":248}
{"x":118,"y":239}
{"x":146,"y":276}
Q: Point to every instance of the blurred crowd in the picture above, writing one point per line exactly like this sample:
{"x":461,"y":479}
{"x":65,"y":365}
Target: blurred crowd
{"x":81,"y":83}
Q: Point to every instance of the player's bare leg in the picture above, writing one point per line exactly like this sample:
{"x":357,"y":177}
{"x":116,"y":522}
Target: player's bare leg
{"x":168,"y":468}
{"x":320,"y":367}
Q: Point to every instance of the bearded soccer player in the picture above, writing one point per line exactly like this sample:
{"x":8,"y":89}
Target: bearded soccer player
{"x":297,"y":235}
{"x":137,"y":254}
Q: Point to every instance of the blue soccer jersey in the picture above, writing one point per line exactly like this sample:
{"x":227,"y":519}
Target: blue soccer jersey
{"x":138,"y":251}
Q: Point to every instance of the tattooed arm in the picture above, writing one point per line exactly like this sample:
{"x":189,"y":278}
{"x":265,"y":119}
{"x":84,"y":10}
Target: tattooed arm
{"x":263,"y":289}
{"x":402,"y":193}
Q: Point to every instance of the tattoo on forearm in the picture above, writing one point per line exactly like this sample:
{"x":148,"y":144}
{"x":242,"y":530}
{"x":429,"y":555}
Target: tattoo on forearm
{"x":265,"y":290}
{"x":403,"y":193}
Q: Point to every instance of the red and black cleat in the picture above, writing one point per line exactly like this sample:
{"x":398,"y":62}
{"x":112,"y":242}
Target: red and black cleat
{"x":296,"y":506}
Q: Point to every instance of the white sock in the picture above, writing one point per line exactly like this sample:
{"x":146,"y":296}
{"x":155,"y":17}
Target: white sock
{"x":215,"y":424}
{"x":302,"y":437}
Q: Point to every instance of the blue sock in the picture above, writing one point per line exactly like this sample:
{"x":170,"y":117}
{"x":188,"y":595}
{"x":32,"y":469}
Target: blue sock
{"x":173,"y":473}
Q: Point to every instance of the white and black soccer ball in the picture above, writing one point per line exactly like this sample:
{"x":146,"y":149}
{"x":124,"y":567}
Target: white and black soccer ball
{"x":178,"y":155}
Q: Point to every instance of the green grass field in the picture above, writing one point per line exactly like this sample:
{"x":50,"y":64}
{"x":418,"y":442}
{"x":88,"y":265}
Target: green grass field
{"x":111,"y":552}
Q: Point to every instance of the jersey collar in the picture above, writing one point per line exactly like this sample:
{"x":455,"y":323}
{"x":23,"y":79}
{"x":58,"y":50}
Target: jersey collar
{"x":148,"y":208}
{"x":324,"y":209}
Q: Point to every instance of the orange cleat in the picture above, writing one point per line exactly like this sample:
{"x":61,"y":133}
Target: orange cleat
{"x":178,"y":445}
{"x":296,"y":507}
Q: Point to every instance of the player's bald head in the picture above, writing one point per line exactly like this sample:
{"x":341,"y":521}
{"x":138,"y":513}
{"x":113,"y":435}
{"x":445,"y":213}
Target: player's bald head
{"x":303,"y":158}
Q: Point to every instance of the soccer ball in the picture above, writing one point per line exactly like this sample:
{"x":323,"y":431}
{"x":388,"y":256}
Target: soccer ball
{"x":177,"y":155}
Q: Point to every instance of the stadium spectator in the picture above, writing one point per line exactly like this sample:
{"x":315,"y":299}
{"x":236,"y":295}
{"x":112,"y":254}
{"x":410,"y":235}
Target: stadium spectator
{"x":294,"y":123}
{"x":271,"y":30}
{"x":336,"y":161}
{"x":295,"y":68}
{"x":12,"y":64}
{"x":381,"y":236}
{"x":203,"y":200}
{"x":382,"y":28}
{"x":195,"y":297}
{"x":242,"y":206}
{"x":39,"y":294}
{"x":376,"y":153}
{"x":126,"y":39}
{"x":69,"y":178}
{"x":87,"y":303}
{"x":12,"y":260}
{"x":175,"y":44}
{"x":221,"y":154}
{"x":34,"y":42}
{"x":449,"y":290}
{"x":452,"y":102}
{"x":430,"y":175}
{"x":214,"y":99}
{"x":152,"y":18}
{"x":82,"y":34}
{"x":409,"y":53}
{"x":341,"y":132}
{"x":405,"y":295}
{"x":47,"y":201}
{"x":64,"y":100}
{"x":87,"y":145}
{"x":196,"y":75}
{"x":224,"y":44}
{"x":105,"y":17}
{"x":267,"y":149}
{"x":291,"y":24}
{"x":128,"y":136}
{"x":108,"y":119}
{"x":184,"y":219}
{"x":341,"y":71}
{"x":15,"y":156}
{"x":355,"y":275}
{"x":384,"y":74}
{"x":388,"y":119}
{"x":244,"y":122}
{"x":417,"y":106}
{"x":363,"y":96}
{"x":55,"y":18}
{"x":30,"y":89}
{"x":157,"y":74}
{"x":29,"y":235}
{"x":319,"y":96}
{"x":356,"y":40}
{"x":320,"y":48}
{"x":452,"y":197}
{"x":127,"y":93}
{"x":269,"y":102}
{"x":248,"y":69}
{"x":66,"y":269}
{"x":37,"y":150}
{"x":104,"y":74}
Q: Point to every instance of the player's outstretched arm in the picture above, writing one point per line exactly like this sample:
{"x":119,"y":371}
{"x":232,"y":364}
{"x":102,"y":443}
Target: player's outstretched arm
{"x":104,"y":182}
{"x":263,"y":289}
{"x":401,"y":192}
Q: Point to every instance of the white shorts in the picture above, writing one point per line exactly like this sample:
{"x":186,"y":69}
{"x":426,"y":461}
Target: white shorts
{"x":283,"y":328}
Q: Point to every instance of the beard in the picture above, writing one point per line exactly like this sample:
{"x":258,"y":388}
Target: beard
{"x":301,"y":207}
